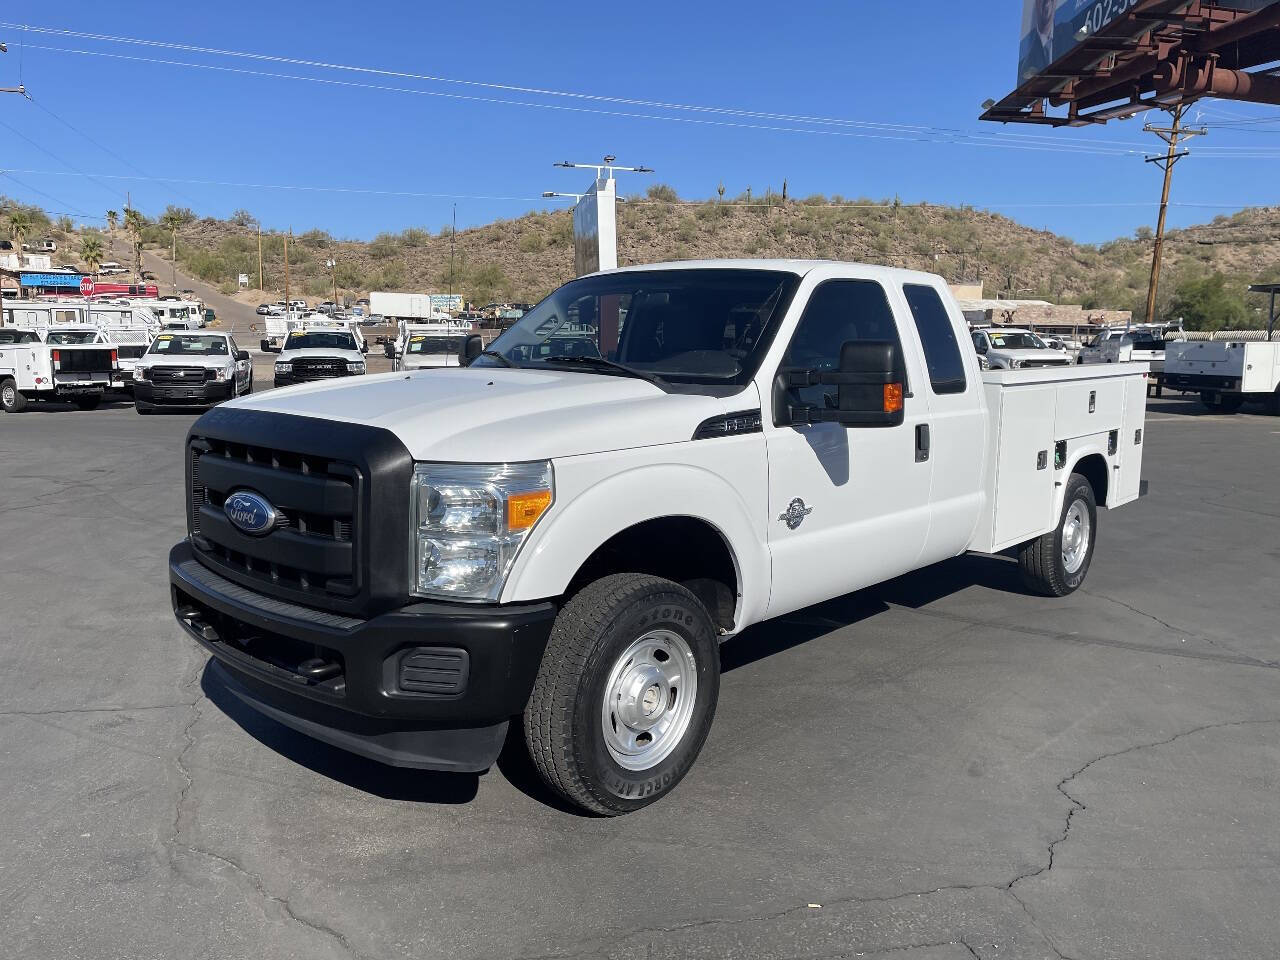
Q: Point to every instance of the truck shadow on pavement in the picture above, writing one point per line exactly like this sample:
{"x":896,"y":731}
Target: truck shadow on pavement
{"x":768,"y":639}
{"x":390,"y":783}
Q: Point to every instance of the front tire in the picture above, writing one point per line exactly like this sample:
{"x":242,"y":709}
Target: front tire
{"x":1055,"y":564}
{"x":11,"y":398}
{"x":625,"y":694}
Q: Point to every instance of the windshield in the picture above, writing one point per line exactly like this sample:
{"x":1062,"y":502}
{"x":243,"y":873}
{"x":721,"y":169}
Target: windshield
{"x":194,"y":345}
{"x":1017,"y":340}
{"x":327,"y":340}
{"x":72,"y":336}
{"x":708,"y":326}
{"x":421,"y":344}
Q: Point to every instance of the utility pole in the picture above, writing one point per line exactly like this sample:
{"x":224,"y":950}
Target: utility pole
{"x":1172,"y":136}
{"x":453,"y":233}
{"x":259,"y":256}
{"x":287,"y":306}
{"x":173,"y":263}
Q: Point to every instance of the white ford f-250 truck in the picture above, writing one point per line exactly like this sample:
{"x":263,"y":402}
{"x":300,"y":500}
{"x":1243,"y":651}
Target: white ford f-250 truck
{"x":400,"y":564}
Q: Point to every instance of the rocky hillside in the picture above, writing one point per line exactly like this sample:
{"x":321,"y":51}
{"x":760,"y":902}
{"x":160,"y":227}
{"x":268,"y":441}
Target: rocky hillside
{"x":523,"y":258}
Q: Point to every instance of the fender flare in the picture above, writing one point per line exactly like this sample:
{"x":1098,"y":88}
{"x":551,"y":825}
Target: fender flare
{"x":556,"y":550}
{"x":1089,"y":448}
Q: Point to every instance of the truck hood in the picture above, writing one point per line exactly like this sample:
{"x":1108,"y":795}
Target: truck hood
{"x":327,"y":353}
{"x":491,"y":414}
{"x":212,"y":363}
{"x":1029,"y":354}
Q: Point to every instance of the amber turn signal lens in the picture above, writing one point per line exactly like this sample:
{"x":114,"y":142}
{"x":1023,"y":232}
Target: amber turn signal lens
{"x":892,"y":397}
{"x":524,"y":509}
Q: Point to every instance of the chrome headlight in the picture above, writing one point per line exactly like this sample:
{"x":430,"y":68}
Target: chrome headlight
{"x":284,"y":368}
{"x":220,"y":374}
{"x":355,"y":366}
{"x":141,"y":373}
{"x":469,"y":522}
{"x":1015,"y":364}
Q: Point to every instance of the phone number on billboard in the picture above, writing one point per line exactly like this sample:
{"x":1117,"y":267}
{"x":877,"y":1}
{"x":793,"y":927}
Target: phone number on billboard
{"x":1104,"y":11}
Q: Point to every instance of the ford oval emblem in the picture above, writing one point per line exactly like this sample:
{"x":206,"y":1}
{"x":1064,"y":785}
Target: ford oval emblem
{"x":250,"y":512}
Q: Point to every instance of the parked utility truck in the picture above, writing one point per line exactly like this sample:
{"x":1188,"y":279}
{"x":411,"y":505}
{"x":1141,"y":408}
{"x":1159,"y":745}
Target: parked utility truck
{"x":76,"y":366}
{"x":1230,"y":372}
{"x":400,"y":564}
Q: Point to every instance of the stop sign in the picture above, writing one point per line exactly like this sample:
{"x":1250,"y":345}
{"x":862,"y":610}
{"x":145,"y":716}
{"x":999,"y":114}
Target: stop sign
{"x":86,"y":286}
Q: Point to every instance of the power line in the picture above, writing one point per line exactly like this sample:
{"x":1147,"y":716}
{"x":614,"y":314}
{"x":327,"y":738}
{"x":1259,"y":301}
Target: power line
{"x":937,"y":136}
{"x":644,"y":201}
{"x":47,"y":196}
{"x":542,"y":91}
{"x":54,"y":156}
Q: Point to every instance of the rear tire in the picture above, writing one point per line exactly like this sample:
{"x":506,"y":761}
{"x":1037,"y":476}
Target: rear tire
{"x":1055,"y":564}
{"x":11,"y":398}
{"x":625,"y":694}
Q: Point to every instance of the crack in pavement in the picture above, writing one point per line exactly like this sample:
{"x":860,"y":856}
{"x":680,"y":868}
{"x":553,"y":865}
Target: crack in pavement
{"x":1079,"y":806}
{"x":255,"y":881}
{"x":1083,"y":638}
{"x":1166,"y":624}
{"x":590,"y":948}
{"x":71,"y":711}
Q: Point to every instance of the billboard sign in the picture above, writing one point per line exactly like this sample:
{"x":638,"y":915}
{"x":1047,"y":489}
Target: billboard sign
{"x":70,"y":281}
{"x":1053,"y":28}
{"x":446,"y":302}
{"x":595,"y":229}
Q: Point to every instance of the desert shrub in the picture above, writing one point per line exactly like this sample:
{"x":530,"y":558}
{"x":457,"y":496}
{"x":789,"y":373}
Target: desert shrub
{"x":531,"y":241}
{"x":415,"y":236}
{"x":384,"y":246}
{"x":315,"y":238}
{"x":662,"y":191}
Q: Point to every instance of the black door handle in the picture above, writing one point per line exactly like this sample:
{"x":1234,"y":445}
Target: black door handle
{"x":922,"y":442}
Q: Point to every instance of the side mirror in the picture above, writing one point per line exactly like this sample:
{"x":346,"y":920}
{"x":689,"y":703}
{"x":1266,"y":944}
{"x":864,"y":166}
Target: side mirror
{"x":242,"y":354}
{"x":982,"y":348}
{"x":470,"y":348}
{"x":364,"y":347}
{"x":389,"y":350}
{"x":871,"y":382}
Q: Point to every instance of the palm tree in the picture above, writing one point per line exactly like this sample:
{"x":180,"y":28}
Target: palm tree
{"x":20,"y":225}
{"x":171,"y":220}
{"x":91,"y":252}
{"x":112,"y":219}
{"x":134,"y":223}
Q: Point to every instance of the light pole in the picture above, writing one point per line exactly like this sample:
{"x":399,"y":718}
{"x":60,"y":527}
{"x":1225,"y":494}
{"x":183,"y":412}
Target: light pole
{"x":19,"y":89}
{"x":332,"y":264}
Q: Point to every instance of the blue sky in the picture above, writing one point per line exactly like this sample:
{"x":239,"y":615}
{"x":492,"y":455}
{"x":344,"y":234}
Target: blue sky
{"x":927,"y":64}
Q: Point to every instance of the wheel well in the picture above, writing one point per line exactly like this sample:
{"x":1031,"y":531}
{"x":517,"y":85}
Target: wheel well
{"x":687,"y":550}
{"x":1094,"y":469}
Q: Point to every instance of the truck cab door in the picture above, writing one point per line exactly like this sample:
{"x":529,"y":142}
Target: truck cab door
{"x":848,"y":506}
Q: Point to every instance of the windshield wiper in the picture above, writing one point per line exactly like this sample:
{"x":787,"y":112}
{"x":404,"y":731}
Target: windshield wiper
{"x":501,"y":358}
{"x":653,"y":378}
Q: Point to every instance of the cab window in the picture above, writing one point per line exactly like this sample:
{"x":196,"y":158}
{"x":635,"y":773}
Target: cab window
{"x":838,"y":311}
{"x":937,"y":337}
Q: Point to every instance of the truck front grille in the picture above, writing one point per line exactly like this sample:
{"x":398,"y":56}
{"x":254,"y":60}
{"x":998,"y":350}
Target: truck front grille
{"x":171,"y":375}
{"x":319,"y":368}
{"x":311,"y":549}
{"x":340,"y":492}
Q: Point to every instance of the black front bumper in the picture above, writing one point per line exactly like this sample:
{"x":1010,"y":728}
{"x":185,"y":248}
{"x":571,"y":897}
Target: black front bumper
{"x":430,"y":685}
{"x":204,"y":394}
{"x":289,"y":379}
{"x":1201,"y":381}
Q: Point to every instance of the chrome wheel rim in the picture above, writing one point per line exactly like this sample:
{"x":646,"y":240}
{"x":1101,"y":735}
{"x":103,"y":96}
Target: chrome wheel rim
{"x":648,"y":700}
{"x":1075,"y":537}
{"x":8,"y":394}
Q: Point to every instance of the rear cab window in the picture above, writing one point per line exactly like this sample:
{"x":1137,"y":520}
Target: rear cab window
{"x":938,"y":337}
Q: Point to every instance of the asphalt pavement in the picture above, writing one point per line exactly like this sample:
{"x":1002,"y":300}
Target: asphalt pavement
{"x":941,"y":767}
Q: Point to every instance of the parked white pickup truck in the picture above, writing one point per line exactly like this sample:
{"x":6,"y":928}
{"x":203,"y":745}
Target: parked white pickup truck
{"x":400,"y":564}
{"x":1008,"y":348}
